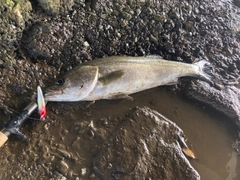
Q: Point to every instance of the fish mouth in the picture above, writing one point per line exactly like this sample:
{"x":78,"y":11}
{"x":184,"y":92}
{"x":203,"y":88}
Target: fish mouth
{"x":53,"y":92}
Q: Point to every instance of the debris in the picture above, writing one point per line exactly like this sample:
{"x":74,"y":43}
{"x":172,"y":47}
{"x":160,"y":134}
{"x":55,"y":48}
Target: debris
{"x":188,"y":152}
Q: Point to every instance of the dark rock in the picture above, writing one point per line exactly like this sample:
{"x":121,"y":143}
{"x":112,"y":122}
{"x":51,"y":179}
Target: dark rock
{"x":14,"y":15}
{"x":190,"y":24}
{"x":55,"y":7}
{"x":236,"y":2}
{"x":138,"y":151}
{"x":226,"y":100}
{"x":43,"y":40}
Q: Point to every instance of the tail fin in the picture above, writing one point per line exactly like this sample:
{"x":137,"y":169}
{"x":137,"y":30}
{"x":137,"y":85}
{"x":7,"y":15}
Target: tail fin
{"x":206,"y":71}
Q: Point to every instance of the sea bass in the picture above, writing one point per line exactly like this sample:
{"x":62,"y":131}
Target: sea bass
{"x":119,"y":76}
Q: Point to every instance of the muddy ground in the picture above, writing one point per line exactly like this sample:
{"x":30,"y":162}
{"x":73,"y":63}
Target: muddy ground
{"x":40,"y":39}
{"x":67,"y":142}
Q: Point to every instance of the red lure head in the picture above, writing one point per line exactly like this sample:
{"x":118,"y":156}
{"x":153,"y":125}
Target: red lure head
{"x":42,"y":113}
{"x":41,"y":104}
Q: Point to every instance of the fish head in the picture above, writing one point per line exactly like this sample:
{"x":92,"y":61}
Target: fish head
{"x":75,"y":85}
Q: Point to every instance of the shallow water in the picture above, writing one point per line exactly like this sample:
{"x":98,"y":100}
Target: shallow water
{"x":209,"y":133}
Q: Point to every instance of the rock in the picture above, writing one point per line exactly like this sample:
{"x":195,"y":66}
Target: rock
{"x":223,"y":100}
{"x":236,"y":2}
{"x":86,"y":44}
{"x":190,"y":23}
{"x":159,"y":18}
{"x":43,"y":40}
{"x":54,"y":7}
{"x":126,"y":15}
{"x":65,"y":153}
{"x":144,"y":147}
{"x":18,"y":11}
{"x":83,"y":171}
{"x":63,"y":167}
{"x":14,"y":14}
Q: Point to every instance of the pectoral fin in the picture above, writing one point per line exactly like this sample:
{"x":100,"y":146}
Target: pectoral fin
{"x":111,"y":77}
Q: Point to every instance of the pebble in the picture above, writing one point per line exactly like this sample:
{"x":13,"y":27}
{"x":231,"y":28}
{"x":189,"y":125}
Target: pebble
{"x":86,"y":44}
{"x":126,"y":15}
{"x":159,"y":18}
{"x":63,"y":167}
{"x":83,"y":171}
{"x":65,"y":153}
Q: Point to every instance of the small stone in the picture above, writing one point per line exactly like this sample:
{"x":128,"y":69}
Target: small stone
{"x":142,"y":2}
{"x":189,"y":24}
{"x":149,"y":11}
{"x":159,"y":18}
{"x":126,"y":15}
{"x":123,"y":23}
{"x":65,"y":153}
{"x":169,"y":24}
{"x":138,"y":12}
{"x":62,"y":178}
{"x":83,"y":171}
{"x":46,"y":126}
{"x":91,"y":133}
{"x":63,"y":167}
{"x":92,"y":175}
{"x":54,"y":7}
{"x":109,"y":166}
{"x":86,"y":44}
{"x":153,"y":39}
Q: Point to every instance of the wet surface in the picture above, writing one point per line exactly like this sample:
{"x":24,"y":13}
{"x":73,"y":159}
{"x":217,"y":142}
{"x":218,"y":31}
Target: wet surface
{"x":146,"y":145}
{"x":65,"y":144}
{"x":219,"y":99}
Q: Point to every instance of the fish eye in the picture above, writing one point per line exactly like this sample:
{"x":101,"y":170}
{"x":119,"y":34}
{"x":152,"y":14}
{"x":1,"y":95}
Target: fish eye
{"x":60,"y":82}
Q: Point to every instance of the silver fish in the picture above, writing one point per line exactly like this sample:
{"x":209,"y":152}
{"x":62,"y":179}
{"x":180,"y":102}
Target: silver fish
{"x":119,"y":76}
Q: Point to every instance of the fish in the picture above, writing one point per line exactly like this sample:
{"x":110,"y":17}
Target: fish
{"x":117,"y":77}
{"x":41,"y":104}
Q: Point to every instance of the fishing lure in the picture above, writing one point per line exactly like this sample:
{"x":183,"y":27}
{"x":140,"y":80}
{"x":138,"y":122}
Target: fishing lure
{"x":41,"y":104}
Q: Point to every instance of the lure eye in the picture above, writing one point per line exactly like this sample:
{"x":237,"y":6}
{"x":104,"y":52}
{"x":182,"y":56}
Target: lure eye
{"x":60,"y":82}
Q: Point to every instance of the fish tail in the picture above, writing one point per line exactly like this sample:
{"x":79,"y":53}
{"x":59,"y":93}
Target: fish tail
{"x":206,"y":71}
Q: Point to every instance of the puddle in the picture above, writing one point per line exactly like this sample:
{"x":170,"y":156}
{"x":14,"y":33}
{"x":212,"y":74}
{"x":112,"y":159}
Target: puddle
{"x":231,"y":166}
{"x":77,"y":134}
{"x":209,"y":132}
